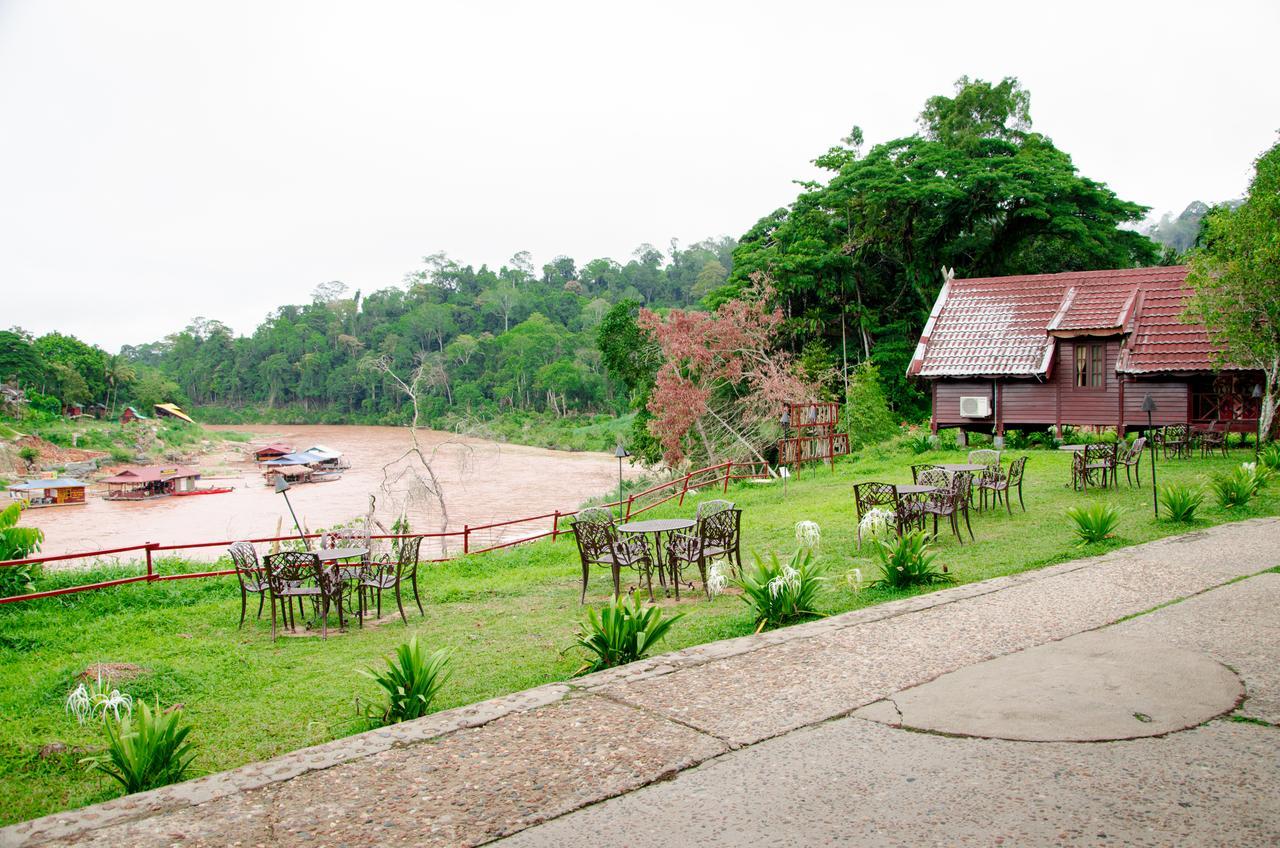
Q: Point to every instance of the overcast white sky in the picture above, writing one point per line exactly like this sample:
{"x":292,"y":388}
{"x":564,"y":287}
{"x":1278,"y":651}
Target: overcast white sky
{"x":164,"y":160}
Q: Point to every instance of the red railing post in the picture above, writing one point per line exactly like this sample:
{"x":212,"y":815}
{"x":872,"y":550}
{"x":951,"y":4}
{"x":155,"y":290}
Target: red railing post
{"x":630,"y":498}
{"x":466,"y":538}
{"x":684,"y":488}
{"x":151,"y":568}
{"x":728,"y":469}
{"x":555,"y":526}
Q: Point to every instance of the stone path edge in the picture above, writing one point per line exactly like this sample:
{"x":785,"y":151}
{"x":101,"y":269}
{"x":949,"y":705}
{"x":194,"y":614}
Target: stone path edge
{"x":351,"y":748}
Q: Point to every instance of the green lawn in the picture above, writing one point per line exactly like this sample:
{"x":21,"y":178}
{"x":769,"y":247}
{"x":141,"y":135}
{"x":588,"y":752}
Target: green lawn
{"x":508,"y":618}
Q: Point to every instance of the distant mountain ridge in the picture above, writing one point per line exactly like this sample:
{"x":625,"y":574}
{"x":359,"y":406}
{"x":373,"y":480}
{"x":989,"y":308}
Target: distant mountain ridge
{"x":1179,"y":234}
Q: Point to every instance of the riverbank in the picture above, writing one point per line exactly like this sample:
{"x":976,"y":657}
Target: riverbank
{"x":482,"y":482}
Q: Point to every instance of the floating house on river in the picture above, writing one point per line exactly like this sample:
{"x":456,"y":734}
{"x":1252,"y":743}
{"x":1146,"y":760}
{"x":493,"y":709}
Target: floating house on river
{"x":63,"y":491}
{"x":152,"y":481}
{"x":316,"y":464}
{"x":275,"y":450}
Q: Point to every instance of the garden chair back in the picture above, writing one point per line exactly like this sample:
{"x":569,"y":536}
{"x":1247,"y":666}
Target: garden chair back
{"x":594,"y":535}
{"x":951,"y":501}
{"x":869,"y":496}
{"x":1000,"y":485}
{"x":717,"y":535}
{"x":299,"y":574}
{"x":1214,"y":438}
{"x":1131,"y":459}
{"x":244,"y":556}
{"x":1176,"y":439}
{"x":709,"y":508}
{"x":917,"y":469}
{"x":985,"y":456}
{"x":934,"y":477}
{"x":391,"y":574}
{"x":1095,"y":465}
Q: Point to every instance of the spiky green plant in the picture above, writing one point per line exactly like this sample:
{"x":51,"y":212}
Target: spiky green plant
{"x":412,"y":680}
{"x":17,"y":543}
{"x":908,"y":561}
{"x":145,"y":750}
{"x":779,"y":592}
{"x":619,"y":633}
{"x":1236,"y":488}
{"x":1270,"y":457}
{"x":1094,"y":522}
{"x":1180,"y":501}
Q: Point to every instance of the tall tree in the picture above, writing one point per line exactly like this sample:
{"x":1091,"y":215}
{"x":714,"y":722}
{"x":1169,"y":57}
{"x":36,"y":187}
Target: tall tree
{"x":1236,"y":282}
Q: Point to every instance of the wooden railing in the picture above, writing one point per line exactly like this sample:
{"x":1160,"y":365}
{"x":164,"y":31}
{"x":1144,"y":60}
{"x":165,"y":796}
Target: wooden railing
{"x":443,"y":545}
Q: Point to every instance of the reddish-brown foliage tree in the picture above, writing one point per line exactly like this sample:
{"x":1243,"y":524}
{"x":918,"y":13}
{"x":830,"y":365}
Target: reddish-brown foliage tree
{"x":723,"y":380}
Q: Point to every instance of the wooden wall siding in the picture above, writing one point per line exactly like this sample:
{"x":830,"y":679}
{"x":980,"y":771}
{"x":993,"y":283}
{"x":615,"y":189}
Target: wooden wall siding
{"x":1029,"y":402}
{"x":1097,"y":406}
{"x":1171,"y":402}
{"x":946,"y":406}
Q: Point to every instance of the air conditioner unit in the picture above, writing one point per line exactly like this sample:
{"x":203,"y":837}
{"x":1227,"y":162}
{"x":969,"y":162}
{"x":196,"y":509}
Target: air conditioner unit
{"x":975,"y":407}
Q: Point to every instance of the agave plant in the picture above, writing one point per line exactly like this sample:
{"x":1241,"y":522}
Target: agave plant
{"x":1270,"y":457}
{"x":1238,"y":487}
{"x":1180,"y":501}
{"x":145,"y":751}
{"x":779,"y":592}
{"x":1094,"y":522}
{"x":620,"y":633}
{"x":411,"y":680}
{"x":95,"y":699}
{"x":908,"y":561}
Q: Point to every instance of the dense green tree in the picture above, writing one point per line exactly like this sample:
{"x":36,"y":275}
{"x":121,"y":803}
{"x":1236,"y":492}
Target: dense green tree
{"x":19,"y":361}
{"x":858,"y":259}
{"x":1236,"y":277}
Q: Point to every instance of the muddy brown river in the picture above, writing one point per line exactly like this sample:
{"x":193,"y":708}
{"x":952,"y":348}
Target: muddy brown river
{"x":482,"y":481}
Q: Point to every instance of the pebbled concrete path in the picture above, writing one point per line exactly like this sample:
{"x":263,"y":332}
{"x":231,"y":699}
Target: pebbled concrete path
{"x":768,"y":717}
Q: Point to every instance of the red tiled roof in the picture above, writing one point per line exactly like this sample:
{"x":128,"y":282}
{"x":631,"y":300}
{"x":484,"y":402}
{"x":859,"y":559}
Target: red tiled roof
{"x":152,"y":474}
{"x":1004,"y":326}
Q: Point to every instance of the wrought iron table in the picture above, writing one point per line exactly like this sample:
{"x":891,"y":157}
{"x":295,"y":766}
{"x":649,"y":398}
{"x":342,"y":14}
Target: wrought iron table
{"x":659,"y":528}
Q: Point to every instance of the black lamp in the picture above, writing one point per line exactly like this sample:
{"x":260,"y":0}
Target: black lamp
{"x":282,"y":488}
{"x":1149,"y":406}
{"x":621,"y":453}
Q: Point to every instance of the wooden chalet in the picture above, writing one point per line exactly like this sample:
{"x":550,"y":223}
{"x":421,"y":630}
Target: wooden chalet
{"x":131,"y":414}
{"x":63,"y":491}
{"x":1079,"y":348}
{"x":152,"y":481}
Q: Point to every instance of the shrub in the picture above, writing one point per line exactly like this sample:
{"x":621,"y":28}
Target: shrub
{"x":1270,"y":457}
{"x":412,"y":680}
{"x":921,"y":442}
{"x":1238,"y":487}
{"x":908,"y":561}
{"x":621,"y":633}
{"x":1181,"y":501}
{"x":17,"y":543}
{"x":780,"y":593}
{"x":867,"y":416}
{"x":1094,"y":522}
{"x":146,"y":751}
{"x":91,"y":700}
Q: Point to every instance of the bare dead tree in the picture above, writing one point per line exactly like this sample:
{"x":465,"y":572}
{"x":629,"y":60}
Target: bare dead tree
{"x":414,"y":472}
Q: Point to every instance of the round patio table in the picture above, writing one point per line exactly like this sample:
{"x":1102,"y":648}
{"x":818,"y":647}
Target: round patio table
{"x":345,"y":569}
{"x":915,"y":489}
{"x":1072,"y":447}
{"x":953,"y":467}
{"x":658,"y":528}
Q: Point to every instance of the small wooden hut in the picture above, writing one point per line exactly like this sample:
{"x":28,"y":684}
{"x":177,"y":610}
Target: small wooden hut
{"x":131,"y":414}
{"x":63,"y":491}
{"x":169,"y":410}
{"x":275,"y":450}
{"x":152,"y":481}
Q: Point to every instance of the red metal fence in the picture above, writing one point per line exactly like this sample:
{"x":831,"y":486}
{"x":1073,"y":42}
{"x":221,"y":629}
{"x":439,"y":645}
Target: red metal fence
{"x":469,"y":540}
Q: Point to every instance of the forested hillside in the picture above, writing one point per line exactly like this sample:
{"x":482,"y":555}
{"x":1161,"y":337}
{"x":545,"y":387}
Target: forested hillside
{"x":492,"y":340}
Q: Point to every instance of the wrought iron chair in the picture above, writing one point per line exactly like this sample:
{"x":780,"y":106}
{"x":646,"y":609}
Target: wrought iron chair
{"x":299,"y":574}
{"x":1131,"y":459}
{"x":916,"y":469}
{"x":950,"y":501}
{"x":706,"y":509}
{"x":1213,"y":438}
{"x":1176,"y":439}
{"x":868,"y":496}
{"x":986,"y":456}
{"x":391,"y":574}
{"x":244,"y":557}
{"x":1093,"y":466}
{"x":593,"y":530}
{"x":717,"y":535}
{"x":1000,"y":485}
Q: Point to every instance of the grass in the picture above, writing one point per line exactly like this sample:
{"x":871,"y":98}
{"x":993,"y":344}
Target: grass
{"x":509,"y":620}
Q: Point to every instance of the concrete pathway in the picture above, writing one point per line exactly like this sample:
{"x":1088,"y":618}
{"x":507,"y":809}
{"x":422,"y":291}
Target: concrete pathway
{"x":758,"y":740}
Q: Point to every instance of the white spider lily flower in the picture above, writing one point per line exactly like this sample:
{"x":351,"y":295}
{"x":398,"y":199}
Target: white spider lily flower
{"x":716,"y":579}
{"x":808,"y":534}
{"x":876,"y":522}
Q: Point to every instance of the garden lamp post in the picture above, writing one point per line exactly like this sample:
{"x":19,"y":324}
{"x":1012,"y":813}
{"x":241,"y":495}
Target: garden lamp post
{"x":282,"y":488}
{"x":1149,"y":406}
{"x":786,"y":435}
{"x":1257,"y":445}
{"x":621,"y":453}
